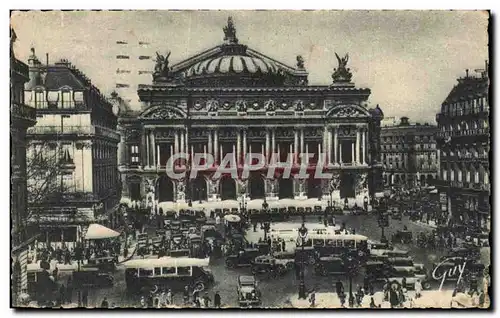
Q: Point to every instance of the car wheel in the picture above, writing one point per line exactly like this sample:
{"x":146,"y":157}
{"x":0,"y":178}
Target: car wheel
{"x":199,"y":286}
{"x":230,"y":263}
{"x":426,"y":285}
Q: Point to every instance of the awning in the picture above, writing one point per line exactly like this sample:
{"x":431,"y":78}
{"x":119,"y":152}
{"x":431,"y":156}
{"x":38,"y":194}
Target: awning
{"x":229,"y":204}
{"x":232,"y":218}
{"x":99,"y":232}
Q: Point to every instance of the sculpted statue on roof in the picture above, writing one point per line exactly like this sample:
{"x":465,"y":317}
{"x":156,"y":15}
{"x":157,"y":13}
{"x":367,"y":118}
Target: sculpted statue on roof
{"x":161,"y":67}
{"x":342,"y":73}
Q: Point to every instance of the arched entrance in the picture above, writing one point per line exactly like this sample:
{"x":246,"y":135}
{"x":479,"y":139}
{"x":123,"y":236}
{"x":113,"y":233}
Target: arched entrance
{"x":285,"y":190}
{"x":313,"y":188}
{"x":199,"y":189}
{"x":347,"y":185}
{"x":256,"y":186}
{"x":165,"y":189}
{"x":227,"y":189}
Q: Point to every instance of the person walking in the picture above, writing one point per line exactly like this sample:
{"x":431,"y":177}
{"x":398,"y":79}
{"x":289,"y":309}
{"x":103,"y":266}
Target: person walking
{"x":418,"y":289}
{"x":217,"y":300}
{"x":186,"y":295}
{"x":104,"y":303}
{"x":312,"y":298}
{"x":170,"y":297}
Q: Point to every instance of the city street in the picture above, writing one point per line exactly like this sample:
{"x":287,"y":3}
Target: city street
{"x":276,"y":291}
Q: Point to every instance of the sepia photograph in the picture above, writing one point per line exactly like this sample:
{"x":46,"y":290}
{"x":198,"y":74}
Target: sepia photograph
{"x":258,"y":159}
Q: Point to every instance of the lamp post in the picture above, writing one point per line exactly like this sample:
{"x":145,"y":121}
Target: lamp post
{"x":351,"y":266}
{"x":383,"y":220}
{"x":302,"y":284}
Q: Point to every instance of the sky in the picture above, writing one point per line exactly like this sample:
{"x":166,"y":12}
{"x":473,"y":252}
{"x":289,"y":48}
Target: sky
{"x":409,"y":59}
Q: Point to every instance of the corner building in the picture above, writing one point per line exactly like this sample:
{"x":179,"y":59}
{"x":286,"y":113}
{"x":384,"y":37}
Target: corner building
{"x":464,"y":143}
{"x":232,"y":99}
{"x":76,"y":133}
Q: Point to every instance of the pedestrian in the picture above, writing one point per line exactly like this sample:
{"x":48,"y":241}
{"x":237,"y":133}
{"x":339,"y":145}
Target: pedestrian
{"x":170,"y":297}
{"x":372,"y":303}
{"x":54,"y":273}
{"x":69,"y":290}
{"x":206,"y":301}
{"x":186,"y":295}
{"x":142,"y":302}
{"x":217,"y":300}
{"x":85,"y":298}
{"x":104,"y":303}
{"x":283,"y":245}
{"x":418,"y":289}
{"x":61,"y":297}
{"x":312,"y":298}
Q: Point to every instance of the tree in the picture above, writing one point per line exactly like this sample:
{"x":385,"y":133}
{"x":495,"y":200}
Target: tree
{"x":46,"y":164}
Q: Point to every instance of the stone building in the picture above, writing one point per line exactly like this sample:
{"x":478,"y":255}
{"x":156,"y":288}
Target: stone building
{"x":75,"y":142}
{"x":22,"y":116}
{"x":231,"y":99}
{"x":409,"y":154}
{"x":464,"y":144}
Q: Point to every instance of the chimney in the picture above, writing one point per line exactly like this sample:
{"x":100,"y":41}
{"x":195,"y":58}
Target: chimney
{"x":467,"y":73}
{"x":404,"y":121}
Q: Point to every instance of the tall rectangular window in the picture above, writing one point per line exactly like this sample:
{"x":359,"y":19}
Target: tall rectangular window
{"x":134,"y":154}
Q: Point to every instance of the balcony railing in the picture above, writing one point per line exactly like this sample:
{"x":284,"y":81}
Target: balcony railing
{"x":19,"y":67}
{"x":63,"y":130}
{"x":21,"y":111}
{"x":467,"y":132}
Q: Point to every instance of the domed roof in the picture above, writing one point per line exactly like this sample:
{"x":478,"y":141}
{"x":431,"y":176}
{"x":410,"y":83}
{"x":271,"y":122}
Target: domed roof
{"x":232,"y":64}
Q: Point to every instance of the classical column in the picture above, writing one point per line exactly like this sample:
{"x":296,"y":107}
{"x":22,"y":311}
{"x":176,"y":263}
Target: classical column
{"x":238,"y":146}
{"x":216,"y":145}
{"x":186,"y":141}
{"x":353,"y":153}
{"x":244,"y":144}
{"x":158,"y":155}
{"x":267,"y":145}
{"x":152,"y":148}
{"x":358,"y":160}
{"x":210,"y":148}
{"x":336,"y":146}
{"x":171,"y":154}
{"x":307,"y":154}
{"x":340,"y":155}
{"x":302,"y":141}
{"x":147,"y":147}
{"x":176,"y":141}
{"x":234,"y":152}
{"x":364,"y":145}
{"x":325,"y":144}
{"x":319,"y":152}
{"x":182,"y":145}
{"x":273,"y":141}
{"x":295,"y":145}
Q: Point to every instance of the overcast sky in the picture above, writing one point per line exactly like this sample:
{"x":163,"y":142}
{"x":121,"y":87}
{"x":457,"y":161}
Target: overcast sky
{"x":409,"y":59}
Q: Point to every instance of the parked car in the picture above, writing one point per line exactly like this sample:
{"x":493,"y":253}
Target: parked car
{"x":244,"y":257}
{"x":248,"y":293}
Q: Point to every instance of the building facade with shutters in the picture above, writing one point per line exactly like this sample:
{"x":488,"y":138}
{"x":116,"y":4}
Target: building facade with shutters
{"x":73,"y":152}
{"x":22,"y":116}
{"x":463,"y":140}
{"x":233,"y":100}
{"x":409,"y":154}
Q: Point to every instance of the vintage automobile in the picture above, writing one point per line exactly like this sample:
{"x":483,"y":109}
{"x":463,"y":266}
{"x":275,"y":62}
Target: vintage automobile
{"x":422,"y":273}
{"x":248,"y":293}
{"x":92,"y":276}
{"x":285,"y":259}
{"x":403,"y":262}
{"x":469,"y":252}
{"x":175,"y":273}
{"x":403,"y":237}
{"x":377,"y":270}
{"x":264,"y":264}
{"x":330,"y":265}
{"x":243,"y":258}
{"x":377,"y":248}
{"x":399,"y":275}
{"x":396,"y":253}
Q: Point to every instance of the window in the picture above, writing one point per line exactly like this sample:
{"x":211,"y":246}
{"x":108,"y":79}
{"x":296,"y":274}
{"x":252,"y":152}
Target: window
{"x":143,"y":272}
{"x":445,"y":175}
{"x":134,"y":154}
{"x":122,"y":57}
{"x":40,"y":99}
{"x":144,"y":57}
{"x":157,"y":271}
{"x":66,"y":99}
{"x":184,"y":271}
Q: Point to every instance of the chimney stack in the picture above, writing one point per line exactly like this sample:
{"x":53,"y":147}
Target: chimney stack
{"x":467,"y":73}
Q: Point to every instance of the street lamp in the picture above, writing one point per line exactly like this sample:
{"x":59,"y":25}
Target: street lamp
{"x":351,"y":266}
{"x":383,"y":220}
{"x":302,"y":284}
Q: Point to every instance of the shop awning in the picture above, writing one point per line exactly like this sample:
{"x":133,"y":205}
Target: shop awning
{"x":99,"y":232}
{"x":255,"y":204}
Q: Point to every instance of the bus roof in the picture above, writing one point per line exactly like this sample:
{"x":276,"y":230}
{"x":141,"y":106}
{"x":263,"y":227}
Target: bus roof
{"x":331,"y":236}
{"x":35,"y":267}
{"x":166,"y":262}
